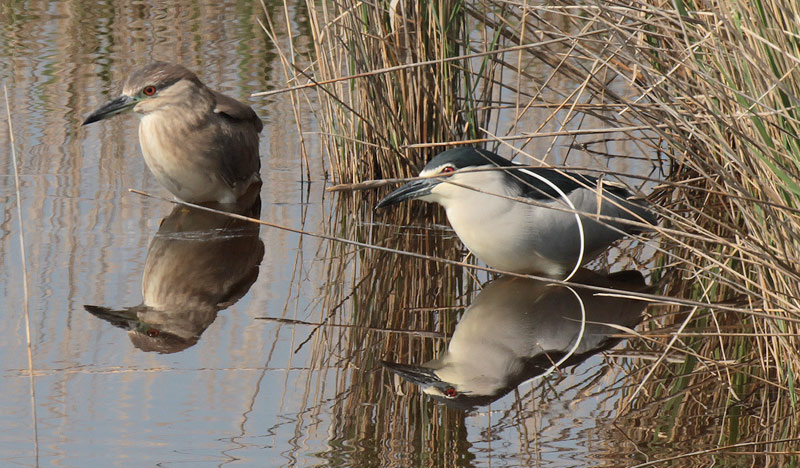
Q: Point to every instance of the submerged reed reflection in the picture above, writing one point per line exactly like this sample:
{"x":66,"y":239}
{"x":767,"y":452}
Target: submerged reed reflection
{"x":198,"y":263}
{"x":517,"y":329}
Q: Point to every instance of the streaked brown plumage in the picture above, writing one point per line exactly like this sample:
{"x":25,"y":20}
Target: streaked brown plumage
{"x":200,"y":144}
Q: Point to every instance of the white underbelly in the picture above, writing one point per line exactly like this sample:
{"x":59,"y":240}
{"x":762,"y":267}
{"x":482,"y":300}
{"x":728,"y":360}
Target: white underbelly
{"x":511,"y":240}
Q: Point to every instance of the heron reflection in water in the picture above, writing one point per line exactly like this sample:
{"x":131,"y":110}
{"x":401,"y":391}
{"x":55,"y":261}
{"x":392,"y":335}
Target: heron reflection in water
{"x":198,"y":264}
{"x":517,"y":328}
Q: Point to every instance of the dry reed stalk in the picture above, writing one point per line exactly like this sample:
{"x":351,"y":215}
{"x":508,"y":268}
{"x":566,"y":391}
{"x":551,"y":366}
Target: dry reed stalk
{"x":25,"y":294}
{"x":377,"y":114}
{"x":724,"y":81}
{"x":713,"y":91}
{"x":365,"y":124}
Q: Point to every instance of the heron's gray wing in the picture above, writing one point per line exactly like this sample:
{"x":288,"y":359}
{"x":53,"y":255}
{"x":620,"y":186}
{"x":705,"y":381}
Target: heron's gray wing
{"x":237,"y":110}
{"x":533,"y":187}
{"x":242,"y":161}
{"x":621,"y":204}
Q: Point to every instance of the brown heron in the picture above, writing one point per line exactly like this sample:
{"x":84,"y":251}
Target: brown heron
{"x":200,"y":144}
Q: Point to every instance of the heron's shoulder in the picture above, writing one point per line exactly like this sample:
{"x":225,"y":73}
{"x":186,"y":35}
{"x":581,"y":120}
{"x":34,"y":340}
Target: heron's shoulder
{"x":539,"y":183}
{"x":236,"y":110}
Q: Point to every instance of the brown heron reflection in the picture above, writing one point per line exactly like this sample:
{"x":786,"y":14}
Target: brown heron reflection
{"x":198,"y":263}
{"x":517,"y":329}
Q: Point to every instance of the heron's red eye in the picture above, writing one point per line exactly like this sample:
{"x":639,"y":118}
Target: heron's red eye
{"x":448,"y":170}
{"x":149,"y":90}
{"x":451,"y":392}
{"x":152,"y":333}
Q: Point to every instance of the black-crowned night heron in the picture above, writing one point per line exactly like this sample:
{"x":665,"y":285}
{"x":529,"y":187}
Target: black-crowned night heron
{"x":525,"y":220}
{"x":200,"y":144}
{"x":518,"y":328}
{"x":197,"y":264}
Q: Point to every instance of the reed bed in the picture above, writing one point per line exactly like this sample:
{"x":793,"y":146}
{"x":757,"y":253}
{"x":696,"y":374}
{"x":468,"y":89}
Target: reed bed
{"x":696,"y":102}
{"x":369,"y":121}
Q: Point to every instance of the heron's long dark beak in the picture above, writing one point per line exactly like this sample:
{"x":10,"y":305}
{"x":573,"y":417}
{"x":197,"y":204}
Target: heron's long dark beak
{"x":123,"y":318}
{"x":418,"y":375}
{"x":111,"y":108}
{"x":415,"y":189}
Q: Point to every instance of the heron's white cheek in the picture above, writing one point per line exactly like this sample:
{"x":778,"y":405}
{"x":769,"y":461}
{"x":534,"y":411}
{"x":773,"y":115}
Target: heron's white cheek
{"x":444,"y":194}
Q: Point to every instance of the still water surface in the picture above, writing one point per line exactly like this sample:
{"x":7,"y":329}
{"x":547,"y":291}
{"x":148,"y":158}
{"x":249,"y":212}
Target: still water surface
{"x":167,"y":337}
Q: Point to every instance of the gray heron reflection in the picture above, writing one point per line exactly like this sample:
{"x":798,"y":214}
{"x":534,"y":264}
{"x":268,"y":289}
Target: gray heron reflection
{"x":517,"y":329}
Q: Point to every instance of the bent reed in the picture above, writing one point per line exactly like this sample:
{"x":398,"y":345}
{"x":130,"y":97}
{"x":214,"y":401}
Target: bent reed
{"x":705,"y":99}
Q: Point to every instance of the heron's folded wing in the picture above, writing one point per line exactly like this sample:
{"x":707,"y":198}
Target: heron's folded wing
{"x":237,"y":110}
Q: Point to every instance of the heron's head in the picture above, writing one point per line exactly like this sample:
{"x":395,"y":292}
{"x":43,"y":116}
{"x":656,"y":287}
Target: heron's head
{"x":149,"y":88}
{"x":461,"y":166}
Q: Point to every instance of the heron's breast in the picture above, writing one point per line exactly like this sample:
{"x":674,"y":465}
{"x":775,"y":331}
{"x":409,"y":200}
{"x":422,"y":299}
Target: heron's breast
{"x":512,"y":236}
{"x":490,"y":230}
{"x":164,"y":146}
{"x":175,"y":155}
